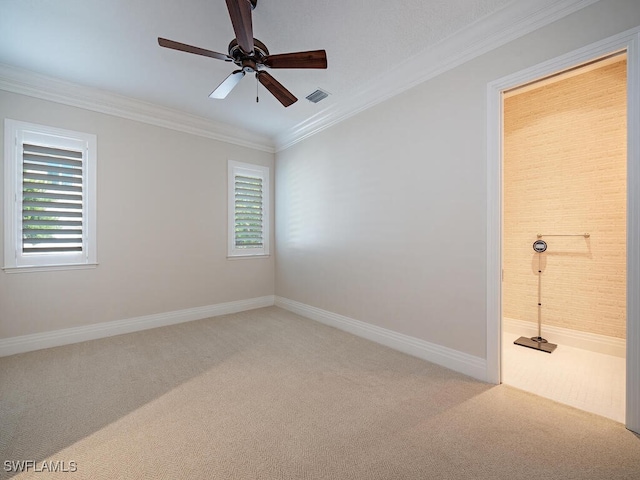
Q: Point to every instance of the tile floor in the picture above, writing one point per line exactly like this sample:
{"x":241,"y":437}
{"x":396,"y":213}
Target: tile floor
{"x":587,"y":380}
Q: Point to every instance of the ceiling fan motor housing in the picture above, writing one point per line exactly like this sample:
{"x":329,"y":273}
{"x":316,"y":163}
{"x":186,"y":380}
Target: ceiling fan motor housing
{"x":248,"y":62}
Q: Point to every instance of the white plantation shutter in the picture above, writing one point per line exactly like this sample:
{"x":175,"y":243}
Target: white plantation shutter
{"x":52,"y":206}
{"x":50,"y":197}
{"x":248,"y":209}
{"x":248,"y":212}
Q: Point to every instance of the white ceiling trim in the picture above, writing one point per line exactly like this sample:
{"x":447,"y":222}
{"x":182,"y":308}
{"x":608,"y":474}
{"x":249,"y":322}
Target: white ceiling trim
{"x":25,"y":82}
{"x":508,"y":24}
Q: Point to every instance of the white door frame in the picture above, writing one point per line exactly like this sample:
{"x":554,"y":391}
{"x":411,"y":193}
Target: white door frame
{"x":629,"y":40}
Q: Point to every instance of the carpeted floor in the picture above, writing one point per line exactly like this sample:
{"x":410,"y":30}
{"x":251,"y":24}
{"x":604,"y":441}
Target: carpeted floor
{"x":267,"y":394}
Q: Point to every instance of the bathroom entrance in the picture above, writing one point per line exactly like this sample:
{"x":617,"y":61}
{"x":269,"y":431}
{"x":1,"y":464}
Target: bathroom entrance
{"x":564,"y":236}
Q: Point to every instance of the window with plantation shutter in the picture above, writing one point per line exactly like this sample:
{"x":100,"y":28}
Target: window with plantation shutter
{"x":248,"y":210}
{"x":50,"y":197}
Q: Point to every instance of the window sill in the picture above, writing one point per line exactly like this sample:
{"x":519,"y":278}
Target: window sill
{"x":246,"y":257}
{"x":49,"y":268}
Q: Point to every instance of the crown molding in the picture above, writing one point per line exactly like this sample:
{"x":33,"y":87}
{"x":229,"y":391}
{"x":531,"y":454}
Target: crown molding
{"x":509,"y":23}
{"x":25,"y":82}
{"x":505,"y":25}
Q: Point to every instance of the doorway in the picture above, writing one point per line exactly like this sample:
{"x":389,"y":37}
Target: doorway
{"x":628,"y":42}
{"x":564,"y":193}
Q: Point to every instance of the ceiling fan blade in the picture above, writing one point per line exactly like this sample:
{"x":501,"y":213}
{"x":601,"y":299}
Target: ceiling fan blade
{"x":284,"y":96}
{"x":227,"y":85}
{"x":183,"y":47}
{"x":312,"y":59}
{"x":240,"y":13}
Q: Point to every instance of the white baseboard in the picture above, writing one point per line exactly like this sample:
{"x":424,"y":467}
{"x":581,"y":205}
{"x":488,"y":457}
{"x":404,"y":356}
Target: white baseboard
{"x":564,"y":336}
{"x":446,"y":357}
{"x":56,"y":338}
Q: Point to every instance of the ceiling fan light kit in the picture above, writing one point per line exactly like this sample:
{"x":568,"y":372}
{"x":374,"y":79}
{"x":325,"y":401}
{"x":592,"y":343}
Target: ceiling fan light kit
{"x":252,"y":56}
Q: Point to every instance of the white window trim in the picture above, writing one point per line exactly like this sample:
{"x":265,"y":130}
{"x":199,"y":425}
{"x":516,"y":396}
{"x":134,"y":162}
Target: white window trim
{"x":15,"y":133}
{"x":238,"y":168}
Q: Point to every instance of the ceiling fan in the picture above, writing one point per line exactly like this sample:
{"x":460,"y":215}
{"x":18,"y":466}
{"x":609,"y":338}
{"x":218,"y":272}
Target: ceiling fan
{"x":252,"y":56}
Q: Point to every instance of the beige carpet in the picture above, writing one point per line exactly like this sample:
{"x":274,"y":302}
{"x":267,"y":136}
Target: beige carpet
{"x":267,"y":394}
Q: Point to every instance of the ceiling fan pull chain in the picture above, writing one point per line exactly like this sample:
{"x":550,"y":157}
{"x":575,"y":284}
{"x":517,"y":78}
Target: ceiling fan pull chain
{"x":257,"y":99}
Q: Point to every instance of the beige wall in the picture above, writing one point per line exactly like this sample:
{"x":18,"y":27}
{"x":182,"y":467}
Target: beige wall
{"x":565,"y":172}
{"x":383,"y":217}
{"x":162,"y":231}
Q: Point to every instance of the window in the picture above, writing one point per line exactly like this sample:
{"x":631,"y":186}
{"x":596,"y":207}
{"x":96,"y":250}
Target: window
{"x":248,"y":210}
{"x":50,"y":189}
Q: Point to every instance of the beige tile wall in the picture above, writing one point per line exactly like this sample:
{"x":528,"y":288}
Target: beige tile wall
{"x":565,"y":172}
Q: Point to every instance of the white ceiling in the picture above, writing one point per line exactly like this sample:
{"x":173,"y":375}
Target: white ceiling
{"x":112,"y":46}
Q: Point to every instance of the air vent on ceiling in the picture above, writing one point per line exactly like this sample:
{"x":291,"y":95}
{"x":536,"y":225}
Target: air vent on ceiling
{"x":316,"y":96}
